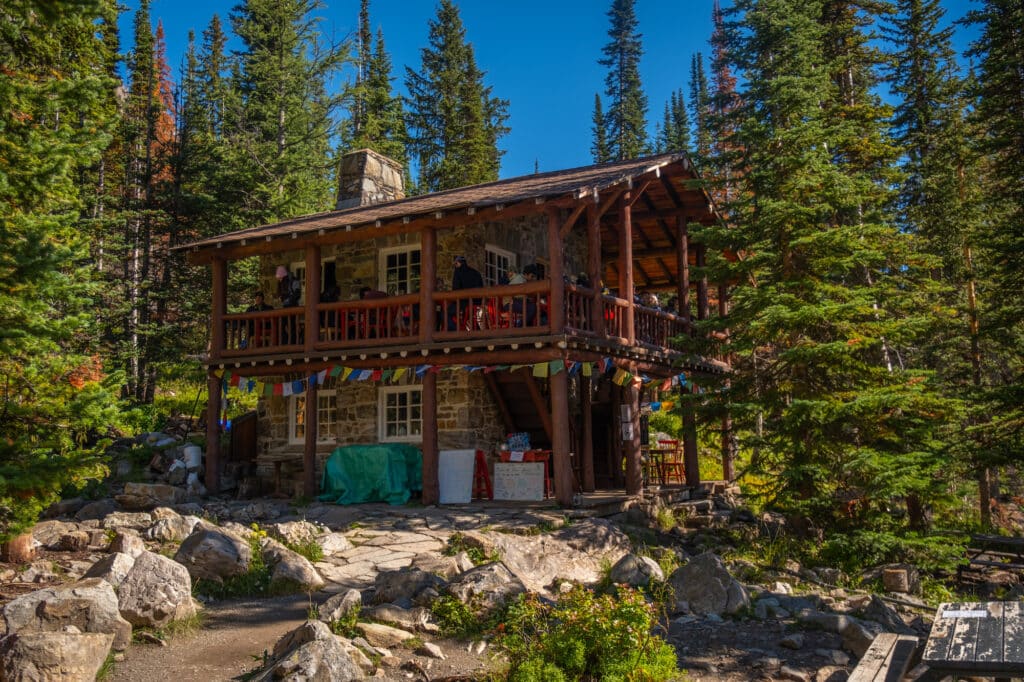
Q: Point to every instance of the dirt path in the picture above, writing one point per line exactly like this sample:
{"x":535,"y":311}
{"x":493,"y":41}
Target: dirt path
{"x":229,"y":644}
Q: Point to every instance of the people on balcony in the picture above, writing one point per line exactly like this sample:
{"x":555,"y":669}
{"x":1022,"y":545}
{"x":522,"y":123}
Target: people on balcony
{"x":289,"y":287}
{"x":255,"y":333}
{"x":463,"y":277}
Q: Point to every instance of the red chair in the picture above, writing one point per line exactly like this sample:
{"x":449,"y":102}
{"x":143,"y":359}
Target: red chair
{"x":672,"y":467}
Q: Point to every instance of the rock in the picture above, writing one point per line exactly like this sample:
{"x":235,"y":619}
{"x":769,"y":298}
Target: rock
{"x":790,"y":673}
{"x":177,"y":473}
{"x":127,"y":542}
{"x":89,"y":604}
{"x":404,"y":584}
{"x":68,"y":507}
{"x":486,"y":587}
{"x":75,"y":541}
{"x":339,"y":606}
{"x":334,"y":543}
{"x":704,"y":586}
{"x":829,"y":622}
{"x":857,"y":638}
{"x":48,"y":534}
{"x":212,"y":553}
{"x":295,"y":532}
{"x":635,"y":571}
{"x":139,"y":521}
{"x":291,"y":571}
{"x":794,"y":641}
{"x":39,"y":572}
{"x":174,"y":529}
{"x":445,"y":566}
{"x":409,"y":619}
{"x":380,"y":635}
{"x":96,"y":510}
{"x":832,"y":673}
{"x":313,"y":654}
{"x":69,"y":656}
{"x":149,"y":495}
{"x":113,"y":568}
{"x":885,"y":615}
{"x":155,"y":592}
{"x":430,"y":650}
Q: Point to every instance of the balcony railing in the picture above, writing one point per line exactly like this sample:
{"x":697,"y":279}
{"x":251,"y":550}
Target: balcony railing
{"x":486,"y":313}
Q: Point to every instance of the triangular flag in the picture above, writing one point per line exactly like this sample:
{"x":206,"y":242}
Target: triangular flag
{"x":251,"y":386}
{"x":278,"y":389}
{"x":667,"y":406}
{"x":557,"y":366}
{"x":399,"y":373}
{"x":219,"y":373}
{"x":621,"y":377}
{"x":387,"y":374}
{"x":376,"y":374}
{"x":435,"y":369}
{"x":421,"y":370}
{"x":514,"y":368}
{"x":540,"y":369}
{"x":588,"y":369}
{"x":336,"y":370}
{"x":321,"y":377}
{"x":312,"y":379}
{"x":286,"y":389}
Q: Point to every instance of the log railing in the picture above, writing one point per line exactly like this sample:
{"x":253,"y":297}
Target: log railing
{"x":485,"y":313}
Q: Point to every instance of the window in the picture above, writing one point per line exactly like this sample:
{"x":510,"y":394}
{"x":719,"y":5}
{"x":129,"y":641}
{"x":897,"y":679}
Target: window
{"x":400,"y":414}
{"x":400,"y":270}
{"x":327,"y":275}
{"x":326,"y":418}
{"x":299,"y":271}
{"x":496,"y":264}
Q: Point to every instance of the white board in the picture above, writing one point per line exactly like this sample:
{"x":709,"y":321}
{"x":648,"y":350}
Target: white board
{"x":455,"y":476}
{"x":519,"y":480}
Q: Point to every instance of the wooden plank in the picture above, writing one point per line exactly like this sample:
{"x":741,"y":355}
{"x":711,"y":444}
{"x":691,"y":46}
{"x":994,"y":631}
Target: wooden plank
{"x":1013,"y":634}
{"x":937,"y":647}
{"x":989,"y":647}
{"x":964,"y":637}
{"x":874,"y":658}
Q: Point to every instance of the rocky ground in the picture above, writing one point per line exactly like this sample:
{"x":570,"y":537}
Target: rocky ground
{"x":114,"y":581}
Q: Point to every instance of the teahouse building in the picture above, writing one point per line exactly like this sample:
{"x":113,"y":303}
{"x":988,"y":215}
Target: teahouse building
{"x":460,"y":369}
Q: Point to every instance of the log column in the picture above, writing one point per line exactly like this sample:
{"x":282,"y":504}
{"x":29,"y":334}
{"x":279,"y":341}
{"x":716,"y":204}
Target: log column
{"x":219,"y":308}
{"x":312,"y":323}
{"x":690,"y":459}
{"x":594,"y":268}
{"x":626,"y":262}
{"x":634,"y":467}
{"x":309,"y":446}
{"x":428,"y":276}
{"x":556,"y":272}
{"x":559,"y":384}
{"x":431,"y":485}
{"x":213,"y":432}
{"x":587,"y":461}
{"x":728,"y":451}
{"x":683,"y":267}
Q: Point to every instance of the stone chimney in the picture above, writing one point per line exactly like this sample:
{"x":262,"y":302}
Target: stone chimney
{"x":366,"y":177}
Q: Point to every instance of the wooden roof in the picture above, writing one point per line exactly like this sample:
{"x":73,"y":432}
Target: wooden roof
{"x":573,"y":184}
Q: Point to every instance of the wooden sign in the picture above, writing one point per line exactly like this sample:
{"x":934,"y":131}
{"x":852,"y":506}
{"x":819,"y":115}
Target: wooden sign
{"x":519,"y":481}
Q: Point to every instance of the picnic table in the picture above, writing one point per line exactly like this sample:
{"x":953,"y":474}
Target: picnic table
{"x":976,"y":639}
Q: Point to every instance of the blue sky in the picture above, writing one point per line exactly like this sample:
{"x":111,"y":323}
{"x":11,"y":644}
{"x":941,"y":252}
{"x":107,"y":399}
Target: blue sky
{"x":539,"y":54}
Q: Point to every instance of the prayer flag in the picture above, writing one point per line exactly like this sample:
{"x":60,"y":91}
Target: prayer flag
{"x":557,"y":366}
{"x":286,"y":389}
{"x":588,"y":369}
{"x":540,"y":369}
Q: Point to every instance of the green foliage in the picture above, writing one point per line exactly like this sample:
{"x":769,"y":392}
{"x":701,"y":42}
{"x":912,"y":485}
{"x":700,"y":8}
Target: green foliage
{"x":862,"y":549}
{"x":310,"y":549}
{"x":457,"y":543}
{"x":625,"y":122}
{"x":583,"y":636}
{"x":457,"y":619}
{"x":255,"y":582}
{"x":346,"y":625}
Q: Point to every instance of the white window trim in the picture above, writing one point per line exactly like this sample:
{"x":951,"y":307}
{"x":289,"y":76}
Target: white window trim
{"x":298,"y":268}
{"x":321,"y":435}
{"x":382,"y":263}
{"x":382,"y":394}
{"x":504,"y":253}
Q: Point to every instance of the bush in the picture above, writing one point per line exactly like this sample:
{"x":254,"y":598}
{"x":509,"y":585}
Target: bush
{"x":585,"y":636}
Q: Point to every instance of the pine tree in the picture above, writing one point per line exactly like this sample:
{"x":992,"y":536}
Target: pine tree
{"x":599,"y":148}
{"x":286,"y":116}
{"x":700,"y":106}
{"x":674,"y":132}
{"x":454,"y":122}
{"x":380,"y":125}
{"x":55,"y":113}
{"x":818,"y":311}
{"x":625,"y":123}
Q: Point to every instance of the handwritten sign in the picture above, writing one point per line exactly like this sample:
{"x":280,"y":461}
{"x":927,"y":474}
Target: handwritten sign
{"x":519,"y":481}
{"x":952,"y":613}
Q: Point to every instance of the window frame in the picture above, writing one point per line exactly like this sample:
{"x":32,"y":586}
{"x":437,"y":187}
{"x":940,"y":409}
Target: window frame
{"x":504,"y":254}
{"x":382,"y":407}
{"x":410,"y":285}
{"x":322,"y":435}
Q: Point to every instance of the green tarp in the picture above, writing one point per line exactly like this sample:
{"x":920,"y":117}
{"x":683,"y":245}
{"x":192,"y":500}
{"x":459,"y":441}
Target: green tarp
{"x":372,"y":473}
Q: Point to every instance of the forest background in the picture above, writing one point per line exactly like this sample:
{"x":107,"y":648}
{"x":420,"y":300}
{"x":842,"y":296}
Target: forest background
{"x":872,"y":185}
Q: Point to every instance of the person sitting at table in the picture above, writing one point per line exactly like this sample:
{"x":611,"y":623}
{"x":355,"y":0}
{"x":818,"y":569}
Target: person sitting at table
{"x":254,"y":332}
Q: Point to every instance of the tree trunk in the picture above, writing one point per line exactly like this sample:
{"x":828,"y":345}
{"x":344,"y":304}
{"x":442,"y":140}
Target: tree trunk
{"x":18,"y":550}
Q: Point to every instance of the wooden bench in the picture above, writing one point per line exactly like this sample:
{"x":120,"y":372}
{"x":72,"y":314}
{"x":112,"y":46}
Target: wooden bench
{"x":994,"y":551}
{"x":888,"y":659}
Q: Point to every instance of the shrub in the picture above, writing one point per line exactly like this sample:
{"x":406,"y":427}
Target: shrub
{"x":457,"y":543}
{"x":310,"y":549}
{"x":585,"y":636}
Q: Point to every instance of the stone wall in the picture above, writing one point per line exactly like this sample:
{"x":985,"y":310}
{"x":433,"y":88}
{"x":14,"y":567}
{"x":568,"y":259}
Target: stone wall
{"x":366,"y":177}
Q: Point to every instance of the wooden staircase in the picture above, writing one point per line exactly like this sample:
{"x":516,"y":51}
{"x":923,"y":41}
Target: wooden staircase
{"x":524,"y":405}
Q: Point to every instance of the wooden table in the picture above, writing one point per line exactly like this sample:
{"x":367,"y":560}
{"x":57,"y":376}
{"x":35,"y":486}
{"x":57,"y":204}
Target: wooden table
{"x":976,"y":639}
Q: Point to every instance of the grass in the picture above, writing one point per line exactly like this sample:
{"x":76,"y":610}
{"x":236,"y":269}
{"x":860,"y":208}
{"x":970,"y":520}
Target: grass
{"x":457,"y":542}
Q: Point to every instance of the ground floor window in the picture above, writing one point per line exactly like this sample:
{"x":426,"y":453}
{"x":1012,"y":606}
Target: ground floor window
{"x":401,"y":414}
{"x":326,"y":417}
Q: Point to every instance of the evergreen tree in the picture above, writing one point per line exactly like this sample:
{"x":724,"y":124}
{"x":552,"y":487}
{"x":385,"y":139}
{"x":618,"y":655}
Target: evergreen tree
{"x":700,"y":106}
{"x":819,"y":305}
{"x":286,"y":115}
{"x":56,"y":119}
{"x":454,"y":121}
{"x":599,"y":148}
{"x":381,"y":126}
{"x":674,"y":132}
{"x":722,"y":167}
{"x":625,"y":123}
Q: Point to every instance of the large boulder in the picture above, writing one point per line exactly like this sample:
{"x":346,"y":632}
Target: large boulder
{"x":212,"y":553}
{"x":704,"y":586}
{"x":291,"y":571}
{"x":295,"y":532}
{"x":113,"y":568}
{"x":339,"y":606}
{"x":310,"y":653}
{"x":89,"y":604}
{"x":68,"y":655}
{"x":127,"y":542}
{"x":117,"y":520}
{"x":402,"y":586}
{"x":155,"y":592}
{"x":635,"y":570}
{"x":172,"y":528}
{"x":149,"y":495}
{"x":485,"y":588}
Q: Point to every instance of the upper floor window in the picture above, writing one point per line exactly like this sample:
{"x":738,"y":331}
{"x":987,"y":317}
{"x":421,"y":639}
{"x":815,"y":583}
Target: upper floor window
{"x":400,"y":270}
{"x":327,"y":275}
{"x":496,"y":264}
{"x":400,"y":414}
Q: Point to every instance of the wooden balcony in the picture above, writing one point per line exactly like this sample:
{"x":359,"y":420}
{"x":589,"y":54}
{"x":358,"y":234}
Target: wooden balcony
{"x":490,"y":315}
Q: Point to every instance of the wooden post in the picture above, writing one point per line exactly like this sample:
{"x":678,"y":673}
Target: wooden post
{"x":728,"y":451}
{"x":428,"y":276}
{"x":594,"y":268}
{"x":683,"y":265}
{"x":634,"y":467}
{"x":690,"y":459}
{"x":616,"y":439}
{"x":213,"y":432}
{"x":702,"y":284}
{"x":219,"y":308}
{"x":431,"y":485}
{"x":559,"y":385}
{"x":312,"y":301}
{"x":309,"y":446}
{"x":556,"y":273}
{"x":626,"y":262}
{"x":587,"y":461}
